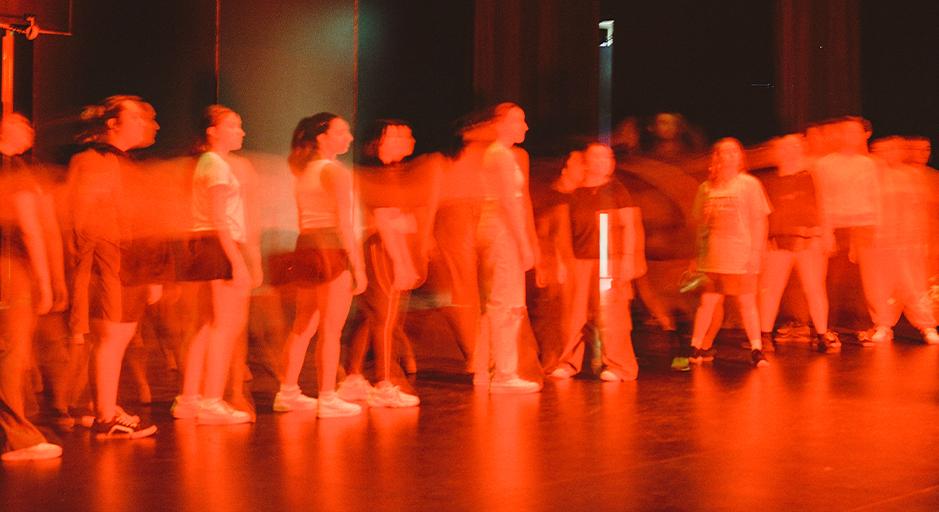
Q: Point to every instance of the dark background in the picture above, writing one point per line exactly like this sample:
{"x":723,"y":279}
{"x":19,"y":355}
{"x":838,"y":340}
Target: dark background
{"x":429,"y":62}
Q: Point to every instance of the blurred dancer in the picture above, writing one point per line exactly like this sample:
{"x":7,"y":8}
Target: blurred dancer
{"x":24,"y":267}
{"x":797,"y":237}
{"x":731,"y":213}
{"x":551,"y":300}
{"x":505,"y":234}
{"x":892,"y":255}
{"x":599,"y":193}
{"x":398,"y":200}
{"x":846,"y":180}
{"x":107,"y":299}
{"x":215,"y":255}
{"x":329,"y":266}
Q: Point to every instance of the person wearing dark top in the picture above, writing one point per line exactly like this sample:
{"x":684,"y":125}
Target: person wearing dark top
{"x":549,"y":304}
{"x":110,"y":281}
{"x":797,"y":237}
{"x":398,"y":198}
{"x":602,"y":283}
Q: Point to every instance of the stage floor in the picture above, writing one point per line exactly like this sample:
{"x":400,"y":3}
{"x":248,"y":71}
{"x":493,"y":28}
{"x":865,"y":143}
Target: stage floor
{"x":857,"y":430}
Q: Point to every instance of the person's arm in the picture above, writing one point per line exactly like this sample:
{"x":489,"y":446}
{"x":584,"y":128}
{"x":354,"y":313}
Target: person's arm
{"x":27,"y":216}
{"x":52,"y":237}
{"x":250,"y":188}
{"x":758,"y":210}
{"x":239,"y":269}
{"x":524,"y":164}
{"x":338,"y":181}
{"x":698,"y":226}
{"x":392,"y":225}
{"x":633,"y":263}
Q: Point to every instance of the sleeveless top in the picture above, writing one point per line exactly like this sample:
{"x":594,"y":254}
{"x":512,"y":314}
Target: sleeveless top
{"x":316,"y":206}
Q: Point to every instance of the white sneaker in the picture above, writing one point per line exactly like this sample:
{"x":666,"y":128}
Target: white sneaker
{"x":293,"y":400}
{"x":562,"y":372}
{"x":609,"y":376}
{"x":930,"y":336}
{"x":882,"y":334}
{"x":354,"y":388}
{"x":330,"y":405}
{"x":513,"y":384}
{"x":219,"y":412}
{"x":35,"y":452}
{"x":385,"y":394}
{"x":185,"y":407}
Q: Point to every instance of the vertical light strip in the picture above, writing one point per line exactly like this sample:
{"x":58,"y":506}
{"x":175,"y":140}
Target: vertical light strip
{"x":604,"y":245}
{"x":6,"y":72}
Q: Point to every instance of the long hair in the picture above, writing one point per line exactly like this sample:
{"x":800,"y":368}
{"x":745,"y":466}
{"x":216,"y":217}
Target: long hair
{"x":94,"y":118}
{"x":303,"y":142}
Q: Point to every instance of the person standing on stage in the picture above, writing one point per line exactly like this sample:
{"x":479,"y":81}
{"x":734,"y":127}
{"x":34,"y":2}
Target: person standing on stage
{"x":730,"y":211}
{"x":108,"y":300}
{"x":398,"y":199}
{"x":215,"y":255}
{"x":601,"y":194}
{"x":328,"y":267}
{"x":25,"y":291}
{"x":797,"y":237}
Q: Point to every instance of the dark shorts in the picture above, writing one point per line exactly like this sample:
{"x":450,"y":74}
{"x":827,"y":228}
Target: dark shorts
{"x":730,"y":284}
{"x":318,"y":258}
{"x":121,"y":304}
{"x":200,"y":257}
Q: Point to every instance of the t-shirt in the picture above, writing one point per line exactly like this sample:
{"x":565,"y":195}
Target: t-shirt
{"x":725,"y":233}
{"x":795,"y":205}
{"x":904,"y":221}
{"x":212,"y":170}
{"x":14,"y":179}
{"x":95,"y":192}
{"x":585,"y":205}
{"x":849,"y":189}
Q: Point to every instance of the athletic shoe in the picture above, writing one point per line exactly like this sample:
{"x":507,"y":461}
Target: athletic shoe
{"x":709,"y":354}
{"x":331,"y":405}
{"x":882,"y":334}
{"x":829,"y":341}
{"x":680,"y":364}
{"x":354,"y":388}
{"x":385,"y":394}
{"x":758,"y":359}
{"x":119,"y":411}
{"x":702,"y":355}
{"x":294,"y":400}
{"x":185,"y":407}
{"x":930,"y":336}
{"x":216,"y":411}
{"x":122,"y":427}
{"x":513,"y":385}
{"x":39,"y":451}
{"x":610,"y":376}
{"x":562,"y":372}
